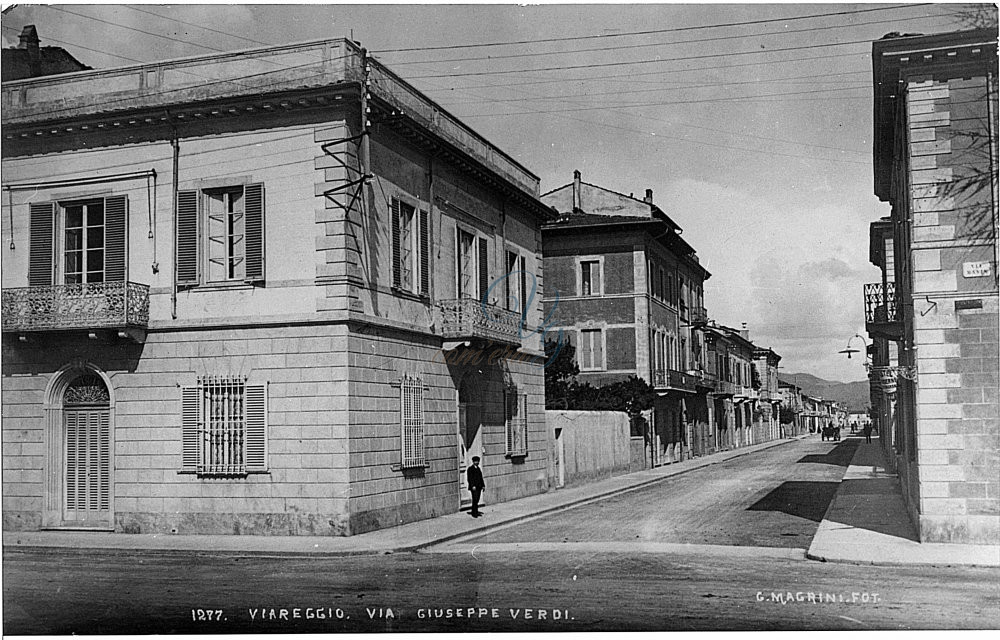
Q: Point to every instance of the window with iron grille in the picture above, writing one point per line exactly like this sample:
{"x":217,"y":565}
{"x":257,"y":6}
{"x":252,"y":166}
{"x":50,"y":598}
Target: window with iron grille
{"x":516,"y":421}
{"x":224,"y":427}
{"x":411,"y":400}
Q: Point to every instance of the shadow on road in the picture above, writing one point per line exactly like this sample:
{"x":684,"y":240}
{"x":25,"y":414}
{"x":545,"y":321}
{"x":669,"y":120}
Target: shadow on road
{"x":804,"y":499}
{"x":840,"y":455}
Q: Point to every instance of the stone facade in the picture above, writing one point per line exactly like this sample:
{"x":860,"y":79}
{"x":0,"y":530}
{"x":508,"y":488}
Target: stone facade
{"x":936,"y":164}
{"x":619,"y":271}
{"x":350,"y":390}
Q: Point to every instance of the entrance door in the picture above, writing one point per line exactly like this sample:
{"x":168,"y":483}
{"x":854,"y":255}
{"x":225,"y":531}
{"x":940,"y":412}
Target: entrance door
{"x":86,"y":495}
{"x":88,"y":466}
{"x":470,"y":439}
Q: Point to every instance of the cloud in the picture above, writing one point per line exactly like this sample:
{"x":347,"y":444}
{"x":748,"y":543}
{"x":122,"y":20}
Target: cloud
{"x":792,"y":268}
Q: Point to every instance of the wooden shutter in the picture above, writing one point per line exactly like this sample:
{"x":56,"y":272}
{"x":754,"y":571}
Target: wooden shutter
{"x":510,"y":411}
{"x":116,"y":239}
{"x":253,"y":203}
{"x":190,"y":428}
{"x":484,"y":269}
{"x":41,"y":228}
{"x":103,"y":502}
{"x":187,"y":238}
{"x":256,"y":427}
{"x":72,"y":457}
{"x":598,"y":349}
{"x":524,"y":289}
{"x":425,"y":254}
{"x":397,"y":271}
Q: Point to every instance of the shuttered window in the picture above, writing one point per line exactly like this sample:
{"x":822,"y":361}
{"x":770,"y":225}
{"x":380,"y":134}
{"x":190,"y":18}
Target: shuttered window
{"x":411,"y":398}
{"x":590,"y":351}
{"x":220,"y":235}
{"x":88,"y":243}
{"x":224,"y":427}
{"x":465,"y":265}
{"x":510,"y":292}
{"x":516,"y":418}
{"x":410,"y":248}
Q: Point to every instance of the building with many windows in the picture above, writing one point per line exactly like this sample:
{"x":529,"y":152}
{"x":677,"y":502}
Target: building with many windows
{"x":933,"y":316}
{"x":276,"y":291}
{"x":627,"y":291}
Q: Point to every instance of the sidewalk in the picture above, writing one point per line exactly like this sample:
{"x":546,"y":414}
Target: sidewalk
{"x":408,"y":537}
{"x":867,"y":523}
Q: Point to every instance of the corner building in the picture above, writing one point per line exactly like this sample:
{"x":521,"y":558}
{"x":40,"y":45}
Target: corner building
{"x":262,"y":292}
{"x":934,"y":315}
{"x":628,"y":293}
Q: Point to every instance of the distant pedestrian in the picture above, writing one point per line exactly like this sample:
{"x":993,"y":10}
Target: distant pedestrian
{"x":476,"y":484}
{"x":868,"y":433}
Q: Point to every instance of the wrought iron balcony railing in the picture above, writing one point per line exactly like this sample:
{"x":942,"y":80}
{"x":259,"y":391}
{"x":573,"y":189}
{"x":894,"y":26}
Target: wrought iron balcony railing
{"x":725,"y":388}
{"x":470,"y":319}
{"x":670,"y":379}
{"x":699,"y":316}
{"x":882,"y":316}
{"x":69,"y":307}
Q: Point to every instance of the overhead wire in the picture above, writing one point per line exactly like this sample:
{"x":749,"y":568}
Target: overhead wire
{"x":656,"y":31}
{"x":619,"y":48}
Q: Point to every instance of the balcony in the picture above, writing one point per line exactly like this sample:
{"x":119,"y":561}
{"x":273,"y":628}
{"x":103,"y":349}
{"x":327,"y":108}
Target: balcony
{"x":469,"y":319}
{"x":669,"y":380}
{"x":725,"y":388}
{"x":882,"y":316}
{"x":117,"y":306}
{"x":699,"y":316}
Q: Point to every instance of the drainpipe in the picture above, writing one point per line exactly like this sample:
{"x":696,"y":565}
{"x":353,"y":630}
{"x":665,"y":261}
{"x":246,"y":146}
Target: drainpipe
{"x":176,"y":145}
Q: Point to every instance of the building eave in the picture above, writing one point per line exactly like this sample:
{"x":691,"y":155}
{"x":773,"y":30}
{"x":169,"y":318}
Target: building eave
{"x":895,"y":57}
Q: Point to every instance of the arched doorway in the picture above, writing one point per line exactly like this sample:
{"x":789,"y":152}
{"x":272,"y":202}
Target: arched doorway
{"x":87,"y":451}
{"x":80,"y":443}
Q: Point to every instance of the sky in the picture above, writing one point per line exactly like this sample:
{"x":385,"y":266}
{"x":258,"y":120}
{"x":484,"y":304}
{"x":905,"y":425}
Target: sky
{"x":755,"y":138}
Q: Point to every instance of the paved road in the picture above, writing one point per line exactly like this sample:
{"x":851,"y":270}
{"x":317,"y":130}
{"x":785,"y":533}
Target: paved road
{"x":773,"y":498}
{"x":525,"y":577}
{"x":58,"y":592}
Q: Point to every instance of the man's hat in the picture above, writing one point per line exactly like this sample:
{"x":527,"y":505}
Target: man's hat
{"x":475,"y":458}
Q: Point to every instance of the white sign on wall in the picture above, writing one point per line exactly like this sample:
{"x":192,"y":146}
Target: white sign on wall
{"x":976,"y":269}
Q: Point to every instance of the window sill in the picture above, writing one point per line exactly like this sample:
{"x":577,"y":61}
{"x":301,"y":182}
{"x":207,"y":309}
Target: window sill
{"x":409,"y":295}
{"x":232,"y":476}
{"x":222,"y":286}
{"x":516,"y":456}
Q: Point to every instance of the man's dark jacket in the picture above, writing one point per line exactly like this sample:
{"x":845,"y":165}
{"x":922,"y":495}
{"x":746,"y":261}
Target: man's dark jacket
{"x":475,"y":476}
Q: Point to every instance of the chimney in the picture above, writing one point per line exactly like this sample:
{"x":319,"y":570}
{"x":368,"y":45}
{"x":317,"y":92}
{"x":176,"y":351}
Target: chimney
{"x":744,"y":332}
{"x":649,"y":196}
{"x":29,"y":41}
{"x":577,"y":205}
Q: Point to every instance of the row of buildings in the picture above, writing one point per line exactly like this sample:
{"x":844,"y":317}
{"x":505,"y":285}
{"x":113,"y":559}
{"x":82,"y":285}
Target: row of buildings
{"x":805,"y":413}
{"x":627,"y":291}
{"x":280,"y":291}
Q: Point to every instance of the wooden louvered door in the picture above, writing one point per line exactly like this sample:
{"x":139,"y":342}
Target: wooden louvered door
{"x":87,"y":456}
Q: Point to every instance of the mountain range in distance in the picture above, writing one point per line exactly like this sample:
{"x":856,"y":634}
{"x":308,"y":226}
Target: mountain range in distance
{"x":854,"y":395}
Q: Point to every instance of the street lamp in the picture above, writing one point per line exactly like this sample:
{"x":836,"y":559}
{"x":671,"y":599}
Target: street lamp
{"x":848,"y":350}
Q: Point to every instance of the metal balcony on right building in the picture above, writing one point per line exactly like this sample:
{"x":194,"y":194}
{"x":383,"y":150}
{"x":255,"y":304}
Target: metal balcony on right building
{"x":882,"y":313}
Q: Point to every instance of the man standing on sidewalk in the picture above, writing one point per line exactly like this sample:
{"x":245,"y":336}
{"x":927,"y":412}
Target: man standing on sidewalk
{"x":476,"y":484}
{"x":868,"y":433}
